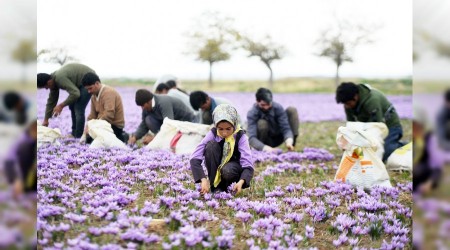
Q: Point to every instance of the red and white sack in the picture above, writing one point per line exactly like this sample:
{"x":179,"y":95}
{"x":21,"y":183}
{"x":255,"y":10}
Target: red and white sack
{"x":179,"y":136}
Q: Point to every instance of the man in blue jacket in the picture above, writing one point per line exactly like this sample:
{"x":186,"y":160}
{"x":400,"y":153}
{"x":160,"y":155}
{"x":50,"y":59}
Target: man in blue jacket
{"x":269,"y":124}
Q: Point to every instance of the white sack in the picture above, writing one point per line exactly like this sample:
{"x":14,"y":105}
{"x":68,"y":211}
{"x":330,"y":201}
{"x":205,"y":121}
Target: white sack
{"x":103,"y":135}
{"x":191,"y":135}
{"x":401,"y":158}
{"x":361,"y":164}
{"x":47,"y":135}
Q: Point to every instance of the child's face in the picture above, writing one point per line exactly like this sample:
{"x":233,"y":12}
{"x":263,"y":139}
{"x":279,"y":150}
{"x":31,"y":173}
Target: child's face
{"x":225,"y":129}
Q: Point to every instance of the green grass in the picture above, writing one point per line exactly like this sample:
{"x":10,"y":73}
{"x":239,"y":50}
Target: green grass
{"x":401,"y":86}
{"x":29,"y":87}
{"x":422,"y":86}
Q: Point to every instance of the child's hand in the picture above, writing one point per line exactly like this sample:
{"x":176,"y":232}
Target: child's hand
{"x":426,"y":187}
{"x":269,"y":149}
{"x":17,"y":189}
{"x":205,"y":186}
{"x":238,"y":187}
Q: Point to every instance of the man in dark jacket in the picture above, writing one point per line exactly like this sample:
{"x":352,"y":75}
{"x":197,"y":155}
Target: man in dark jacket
{"x":154,"y":109}
{"x":365,"y":104}
{"x":206,"y":104}
{"x":68,"y":78}
{"x":269,"y":125}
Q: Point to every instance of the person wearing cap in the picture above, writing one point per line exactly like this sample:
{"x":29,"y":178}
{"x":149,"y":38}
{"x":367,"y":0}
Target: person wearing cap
{"x":428,"y":157}
{"x":363,"y":103}
{"x":226,"y":154}
{"x":269,"y":124}
{"x":443,"y":123}
{"x":154,"y":109}
{"x":68,"y":78}
{"x":106,"y":104}
{"x":206,"y":104}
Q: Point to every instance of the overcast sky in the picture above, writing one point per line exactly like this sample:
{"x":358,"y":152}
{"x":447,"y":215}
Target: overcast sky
{"x":145,"y":38}
{"x":432,"y":17}
{"x":17,"y":22}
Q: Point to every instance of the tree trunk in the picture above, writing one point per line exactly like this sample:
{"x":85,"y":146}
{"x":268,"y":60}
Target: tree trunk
{"x":210,"y":82}
{"x":336,"y":79}
{"x":271,"y":79}
{"x":24,"y":74}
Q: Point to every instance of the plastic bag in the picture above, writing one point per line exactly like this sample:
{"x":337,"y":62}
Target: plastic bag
{"x":361,"y":163}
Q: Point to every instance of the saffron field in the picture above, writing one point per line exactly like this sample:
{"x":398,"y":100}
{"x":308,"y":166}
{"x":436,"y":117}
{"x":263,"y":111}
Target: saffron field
{"x":141,"y":199}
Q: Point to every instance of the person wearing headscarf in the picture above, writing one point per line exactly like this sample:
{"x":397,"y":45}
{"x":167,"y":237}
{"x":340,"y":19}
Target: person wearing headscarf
{"x":20,"y":164}
{"x":226,"y":153}
{"x":428,"y":158}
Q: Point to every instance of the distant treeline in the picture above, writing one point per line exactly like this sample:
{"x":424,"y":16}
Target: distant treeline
{"x":398,"y":86}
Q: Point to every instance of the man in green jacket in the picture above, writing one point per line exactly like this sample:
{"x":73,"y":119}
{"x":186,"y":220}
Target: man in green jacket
{"x":68,"y":78}
{"x":365,"y":104}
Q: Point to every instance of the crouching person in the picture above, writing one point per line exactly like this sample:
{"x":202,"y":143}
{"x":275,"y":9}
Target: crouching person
{"x":20,"y":164}
{"x":226,"y":152}
{"x":106,"y":104}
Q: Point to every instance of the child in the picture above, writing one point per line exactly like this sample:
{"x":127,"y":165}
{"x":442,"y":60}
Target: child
{"x":226,"y":152}
{"x":428,"y":158}
{"x":20,"y":164}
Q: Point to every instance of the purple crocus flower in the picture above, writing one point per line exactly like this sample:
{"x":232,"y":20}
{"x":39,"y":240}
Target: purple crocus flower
{"x":244,"y":216}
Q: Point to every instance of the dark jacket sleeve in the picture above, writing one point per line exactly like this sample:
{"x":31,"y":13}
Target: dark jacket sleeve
{"x":142,"y":128}
{"x":166,"y":108}
{"x":197,"y":170}
{"x":247,"y":175}
{"x":283,"y":122}
{"x":349,"y":115}
{"x":441,"y":127}
{"x":11,"y":171}
{"x":252,"y":130}
{"x":51,"y":102}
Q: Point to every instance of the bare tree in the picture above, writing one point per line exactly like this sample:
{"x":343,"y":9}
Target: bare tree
{"x":212,"y":52}
{"x":339,"y":43}
{"x":266,"y":50}
{"x":212,"y":40}
{"x":24,"y":53}
{"x":58,"y":55}
{"x":442,"y":48}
